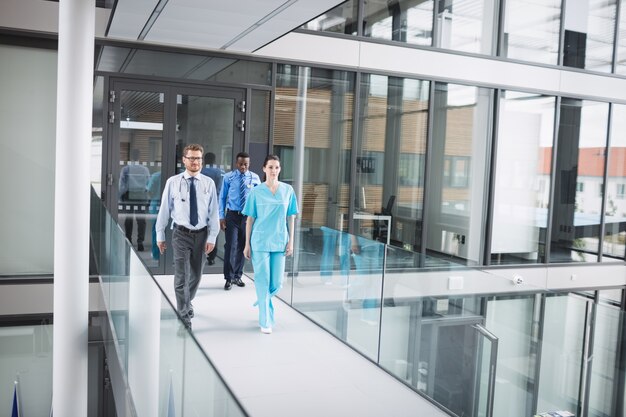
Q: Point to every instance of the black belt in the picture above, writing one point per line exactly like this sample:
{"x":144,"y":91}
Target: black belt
{"x":184,"y":229}
{"x":238,"y":213}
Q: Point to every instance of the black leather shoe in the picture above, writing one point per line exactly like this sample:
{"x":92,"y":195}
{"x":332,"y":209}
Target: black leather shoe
{"x":140,"y":247}
{"x":238,"y":282}
{"x":228,"y":285}
{"x":211,"y":261}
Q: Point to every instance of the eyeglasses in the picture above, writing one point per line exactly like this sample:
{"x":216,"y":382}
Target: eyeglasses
{"x":194,"y":158}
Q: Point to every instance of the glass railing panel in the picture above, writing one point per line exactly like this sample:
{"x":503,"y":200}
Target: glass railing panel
{"x":337,"y":283}
{"x":163,"y":367}
{"x":487,"y":359}
{"x":604,"y":369}
{"x":428,"y":336}
{"x":561,"y":352}
{"x":477,"y":342}
{"x":514,"y":320}
{"x":204,"y":393}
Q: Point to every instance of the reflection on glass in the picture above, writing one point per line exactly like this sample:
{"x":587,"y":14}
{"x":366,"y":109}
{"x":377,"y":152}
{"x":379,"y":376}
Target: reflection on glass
{"x":615,"y":206}
{"x":467,"y":25}
{"x":399,"y":20}
{"x":456,"y":199}
{"x":531,"y":30}
{"x":139,"y":184}
{"x":341,"y":19}
{"x":579,"y":186}
{"x":314,"y":108}
{"x":338,"y":285}
{"x":522,"y":189}
{"x":390,"y":162}
{"x":589,"y":34}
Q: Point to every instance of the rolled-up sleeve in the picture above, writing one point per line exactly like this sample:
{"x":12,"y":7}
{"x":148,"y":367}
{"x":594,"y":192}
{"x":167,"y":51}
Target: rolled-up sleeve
{"x":213,"y":220}
{"x":163,"y":218}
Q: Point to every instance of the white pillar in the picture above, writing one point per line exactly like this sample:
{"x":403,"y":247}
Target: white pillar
{"x":71,"y":206}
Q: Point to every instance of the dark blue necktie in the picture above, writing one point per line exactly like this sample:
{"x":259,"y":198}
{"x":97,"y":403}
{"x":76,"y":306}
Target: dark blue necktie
{"x":193,"y":202}
{"x":242,"y":190}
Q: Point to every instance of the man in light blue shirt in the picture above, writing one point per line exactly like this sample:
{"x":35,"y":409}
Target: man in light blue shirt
{"x":190,"y":200}
{"x":235,"y":188}
{"x":133,"y":196}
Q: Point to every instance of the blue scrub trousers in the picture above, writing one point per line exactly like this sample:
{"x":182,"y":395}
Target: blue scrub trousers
{"x":269,"y":268}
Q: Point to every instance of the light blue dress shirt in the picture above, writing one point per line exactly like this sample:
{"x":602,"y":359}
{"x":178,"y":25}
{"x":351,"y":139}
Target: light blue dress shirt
{"x":230,"y":195}
{"x":175,"y":204}
{"x":270,"y":212}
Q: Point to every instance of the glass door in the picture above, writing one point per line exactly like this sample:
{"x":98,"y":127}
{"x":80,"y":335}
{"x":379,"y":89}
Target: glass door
{"x":213,"y":119}
{"x":149,"y":126}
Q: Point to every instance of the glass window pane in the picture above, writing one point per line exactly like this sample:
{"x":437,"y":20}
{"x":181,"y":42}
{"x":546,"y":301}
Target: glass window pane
{"x":523,"y":167}
{"x":459,"y":166}
{"x":589,"y":34}
{"x":580,"y":158}
{"x":467,"y":25}
{"x":531,"y":30}
{"x":260,"y":117}
{"x":620,"y":66}
{"x":96,"y":135}
{"x":615,"y":209}
{"x":314,"y":108}
{"x":341,"y":19}
{"x":399,"y":20}
{"x":140,"y":167}
{"x":390,"y":161}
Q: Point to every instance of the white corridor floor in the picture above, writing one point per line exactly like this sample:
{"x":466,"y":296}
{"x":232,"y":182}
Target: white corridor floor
{"x":298,"y":370}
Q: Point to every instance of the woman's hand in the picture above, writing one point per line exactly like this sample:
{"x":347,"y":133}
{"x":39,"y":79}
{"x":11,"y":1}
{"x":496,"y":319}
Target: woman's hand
{"x":289,"y":249}
{"x":246,"y":252}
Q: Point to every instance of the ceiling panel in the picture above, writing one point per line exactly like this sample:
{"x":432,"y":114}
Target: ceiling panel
{"x":130,"y":17}
{"x":242,"y":25}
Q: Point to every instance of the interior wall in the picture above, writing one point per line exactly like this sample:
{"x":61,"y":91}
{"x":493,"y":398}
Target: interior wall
{"x":27,"y":146}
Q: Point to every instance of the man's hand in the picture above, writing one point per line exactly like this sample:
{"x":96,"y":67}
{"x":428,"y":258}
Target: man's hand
{"x":162,"y":246}
{"x":223,"y":224}
{"x":208,"y":247}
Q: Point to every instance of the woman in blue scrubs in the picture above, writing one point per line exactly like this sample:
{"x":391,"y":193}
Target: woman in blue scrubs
{"x":271,"y":209}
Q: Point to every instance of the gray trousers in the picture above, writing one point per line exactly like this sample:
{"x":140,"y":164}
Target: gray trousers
{"x":189,"y":258}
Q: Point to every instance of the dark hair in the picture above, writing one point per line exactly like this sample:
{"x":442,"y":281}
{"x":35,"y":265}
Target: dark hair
{"x":209,"y":158}
{"x":270,"y":158}
{"x":242,"y":155}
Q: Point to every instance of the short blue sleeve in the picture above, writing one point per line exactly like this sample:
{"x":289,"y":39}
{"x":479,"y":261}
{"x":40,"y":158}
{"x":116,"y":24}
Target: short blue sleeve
{"x":292,"y":209}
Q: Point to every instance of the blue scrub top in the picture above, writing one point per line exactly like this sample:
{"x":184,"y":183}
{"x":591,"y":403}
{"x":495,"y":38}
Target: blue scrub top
{"x":270,"y":212}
